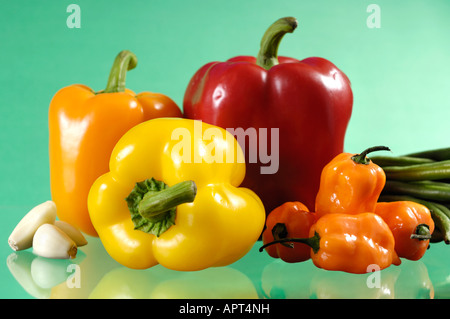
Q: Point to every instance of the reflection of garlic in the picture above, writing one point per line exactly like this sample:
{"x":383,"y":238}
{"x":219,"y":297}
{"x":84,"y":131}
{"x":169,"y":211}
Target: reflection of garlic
{"x":72,"y":232}
{"x":19,"y":264}
{"x":48,"y":273}
{"x":51,"y":242}
{"x":22,"y":236}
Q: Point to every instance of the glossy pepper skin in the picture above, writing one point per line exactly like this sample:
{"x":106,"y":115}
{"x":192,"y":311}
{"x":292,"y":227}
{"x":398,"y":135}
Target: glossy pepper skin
{"x":309,"y":101}
{"x":350,"y":184}
{"x":84,"y":126}
{"x":411,"y":224}
{"x":354,"y":243}
{"x":218,"y":227}
{"x":292,"y":219}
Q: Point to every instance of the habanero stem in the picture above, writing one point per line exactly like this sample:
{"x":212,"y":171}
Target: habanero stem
{"x":362,"y":158}
{"x":313,"y":242}
{"x":422,"y":232}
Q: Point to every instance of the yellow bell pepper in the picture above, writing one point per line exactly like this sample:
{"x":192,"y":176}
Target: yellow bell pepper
{"x":172,"y":197}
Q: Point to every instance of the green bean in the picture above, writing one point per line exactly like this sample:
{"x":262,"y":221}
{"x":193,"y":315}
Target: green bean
{"x":435,"y":191}
{"x":439,"y":213}
{"x":428,"y":171}
{"x":440,"y":154}
{"x":399,"y":160}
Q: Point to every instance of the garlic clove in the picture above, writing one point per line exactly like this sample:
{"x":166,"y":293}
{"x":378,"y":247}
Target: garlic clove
{"x":22,"y":235}
{"x":51,"y":242}
{"x":72,"y":232}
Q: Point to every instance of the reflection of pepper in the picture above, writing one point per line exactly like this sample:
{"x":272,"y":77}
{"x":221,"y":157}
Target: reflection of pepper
{"x":292,"y":219}
{"x":215,"y":224}
{"x":84,"y":126}
{"x":349,"y":243}
{"x":266,"y":92}
{"x":411,"y":225}
{"x":163,"y":283}
{"x":338,"y":285}
{"x":350,"y":184}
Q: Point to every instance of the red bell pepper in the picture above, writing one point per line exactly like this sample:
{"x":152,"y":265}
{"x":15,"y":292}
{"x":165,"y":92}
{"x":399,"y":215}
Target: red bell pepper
{"x":309,"y":101}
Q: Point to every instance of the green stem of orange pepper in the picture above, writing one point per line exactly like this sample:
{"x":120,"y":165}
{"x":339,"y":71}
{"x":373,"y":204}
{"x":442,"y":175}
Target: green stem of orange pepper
{"x":313,"y":242}
{"x":362,"y":158}
{"x":124,"y":62}
{"x":422,"y":232}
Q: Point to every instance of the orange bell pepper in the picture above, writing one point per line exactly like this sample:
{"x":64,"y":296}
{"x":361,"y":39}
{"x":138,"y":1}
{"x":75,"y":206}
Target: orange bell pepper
{"x":411,"y":224}
{"x":84,"y":127}
{"x":350,"y":243}
{"x":292,"y":219}
{"x":350,"y":184}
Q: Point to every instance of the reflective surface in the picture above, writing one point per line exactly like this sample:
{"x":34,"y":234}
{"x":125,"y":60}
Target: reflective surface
{"x":382,"y":66}
{"x":93,"y":274}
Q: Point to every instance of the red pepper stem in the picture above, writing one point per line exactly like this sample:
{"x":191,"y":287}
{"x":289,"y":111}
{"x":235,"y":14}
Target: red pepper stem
{"x":313,"y":242}
{"x":124,"y":62}
{"x":362,"y":158}
{"x":268,"y":53}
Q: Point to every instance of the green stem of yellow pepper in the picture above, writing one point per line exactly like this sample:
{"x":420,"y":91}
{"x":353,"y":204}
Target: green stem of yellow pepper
{"x":153,"y":204}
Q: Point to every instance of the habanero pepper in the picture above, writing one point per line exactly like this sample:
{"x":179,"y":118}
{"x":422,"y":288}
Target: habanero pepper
{"x":349,"y":243}
{"x":350,"y":184}
{"x":270,"y":92}
{"x":292,"y":219}
{"x":411,"y":224}
{"x":84,"y":126}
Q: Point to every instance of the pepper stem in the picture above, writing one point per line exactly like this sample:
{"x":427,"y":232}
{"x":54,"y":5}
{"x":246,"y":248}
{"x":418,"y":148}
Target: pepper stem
{"x":422,"y":232}
{"x":155,"y":204}
{"x":362,"y":158}
{"x":268,"y":53}
{"x":124,"y":62}
{"x":313,"y":242}
{"x":279,"y":231}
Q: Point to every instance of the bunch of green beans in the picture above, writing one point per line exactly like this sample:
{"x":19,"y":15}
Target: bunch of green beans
{"x":422,"y":177}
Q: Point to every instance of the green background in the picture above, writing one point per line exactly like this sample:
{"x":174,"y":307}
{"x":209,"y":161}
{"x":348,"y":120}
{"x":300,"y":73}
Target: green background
{"x":399,"y":74}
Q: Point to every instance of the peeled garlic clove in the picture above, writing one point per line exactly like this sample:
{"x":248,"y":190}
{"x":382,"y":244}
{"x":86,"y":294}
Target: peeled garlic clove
{"x":72,"y":232}
{"x":22,"y":235}
{"x":51,"y":242}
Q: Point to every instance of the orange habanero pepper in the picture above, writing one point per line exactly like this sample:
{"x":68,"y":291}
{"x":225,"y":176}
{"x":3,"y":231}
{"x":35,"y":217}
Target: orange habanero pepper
{"x":352,"y":243}
{"x":411,"y":224}
{"x":350,"y":184}
{"x":84,"y":127}
{"x":292,"y":219}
